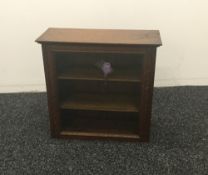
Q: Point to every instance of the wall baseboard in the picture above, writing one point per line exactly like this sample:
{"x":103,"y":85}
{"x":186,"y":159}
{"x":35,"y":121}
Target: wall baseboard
{"x":22,"y":88}
{"x":181,"y":82}
{"x":158,"y":83}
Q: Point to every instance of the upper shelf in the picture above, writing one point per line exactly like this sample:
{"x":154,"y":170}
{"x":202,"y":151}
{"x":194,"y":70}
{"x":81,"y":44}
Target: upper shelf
{"x":121,"y":75}
{"x":101,"y":36}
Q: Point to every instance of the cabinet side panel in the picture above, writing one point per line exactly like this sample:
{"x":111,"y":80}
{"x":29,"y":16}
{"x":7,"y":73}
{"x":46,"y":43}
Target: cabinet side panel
{"x":52,"y":95}
{"x":147,"y":93}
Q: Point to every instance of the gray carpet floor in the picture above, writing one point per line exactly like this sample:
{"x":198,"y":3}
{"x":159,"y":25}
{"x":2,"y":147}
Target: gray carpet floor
{"x":178,"y":146}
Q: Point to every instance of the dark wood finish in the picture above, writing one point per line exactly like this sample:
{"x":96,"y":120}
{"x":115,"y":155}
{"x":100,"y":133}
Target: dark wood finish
{"x":84,"y":104}
{"x":147,"y":93}
{"x":85,"y":123}
{"x":101,"y":102}
{"x":101,"y":36}
{"x":51,"y":84}
{"x":127,"y":75}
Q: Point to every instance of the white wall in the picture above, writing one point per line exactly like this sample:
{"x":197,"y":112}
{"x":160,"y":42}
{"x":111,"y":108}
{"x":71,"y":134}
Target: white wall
{"x":182,"y":60}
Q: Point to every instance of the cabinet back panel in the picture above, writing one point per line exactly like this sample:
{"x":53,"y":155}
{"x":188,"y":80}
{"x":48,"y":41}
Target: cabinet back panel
{"x":92,"y":60}
{"x":100,"y":121}
{"x":70,"y":87}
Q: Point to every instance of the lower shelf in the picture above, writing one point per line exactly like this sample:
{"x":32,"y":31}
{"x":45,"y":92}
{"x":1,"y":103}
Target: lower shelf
{"x":98,"y":135}
{"x":100,"y":124}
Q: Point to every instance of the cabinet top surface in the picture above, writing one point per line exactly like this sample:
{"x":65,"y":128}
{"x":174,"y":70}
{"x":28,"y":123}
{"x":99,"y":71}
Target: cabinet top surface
{"x":101,"y":36}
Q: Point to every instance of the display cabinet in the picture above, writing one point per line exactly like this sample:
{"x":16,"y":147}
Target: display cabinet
{"x":100,"y":82}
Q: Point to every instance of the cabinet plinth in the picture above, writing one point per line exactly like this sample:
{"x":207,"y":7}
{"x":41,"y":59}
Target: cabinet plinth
{"x":100,"y":82}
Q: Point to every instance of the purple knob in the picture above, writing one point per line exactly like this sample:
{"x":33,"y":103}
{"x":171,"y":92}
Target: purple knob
{"x":106,"y":68}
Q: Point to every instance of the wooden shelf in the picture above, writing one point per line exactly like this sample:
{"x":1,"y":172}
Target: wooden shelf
{"x":100,"y":126}
{"x":99,"y":135}
{"x":125,"y":75}
{"x":105,"y":102}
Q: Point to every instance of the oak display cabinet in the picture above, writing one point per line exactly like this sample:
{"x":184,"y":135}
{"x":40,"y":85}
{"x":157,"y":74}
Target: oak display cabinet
{"x":83,"y":101}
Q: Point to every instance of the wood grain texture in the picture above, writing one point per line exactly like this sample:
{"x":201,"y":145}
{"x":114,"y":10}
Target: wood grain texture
{"x":101,"y":36}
